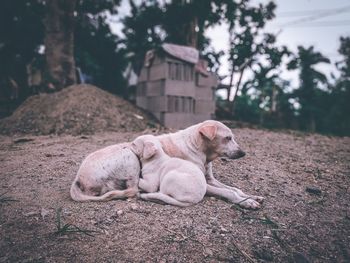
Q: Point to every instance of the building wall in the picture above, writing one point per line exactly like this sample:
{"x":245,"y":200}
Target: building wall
{"x":176,"y":95}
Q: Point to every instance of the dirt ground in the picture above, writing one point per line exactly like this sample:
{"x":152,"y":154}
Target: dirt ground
{"x":305,"y":218}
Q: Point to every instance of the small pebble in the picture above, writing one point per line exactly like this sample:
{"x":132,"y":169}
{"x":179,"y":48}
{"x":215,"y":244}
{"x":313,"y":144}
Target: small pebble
{"x":208,"y":251}
{"x":223,"y":230}
{"x":313,"y":190}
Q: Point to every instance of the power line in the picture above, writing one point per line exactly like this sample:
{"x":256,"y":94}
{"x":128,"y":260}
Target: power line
{"x":303,"y":12}
{"x":318,"y":16}
{"x":324,"y":24}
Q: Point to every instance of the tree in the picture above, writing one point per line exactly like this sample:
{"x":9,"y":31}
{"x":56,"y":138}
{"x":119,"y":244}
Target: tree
{"x":310,"y":80}
{"x":59,"y":42}
{"x":152,"y":23}
{"x":337,"y":118}
{"x":96,"y":49}
{"x":196,"y":16}
{"x":142,"y":30}
{"x":245,"y":26}
{"x":265,"y":85}
{"x":21,"y":34}
{"x":60,"y":27}
{"x":22,"y":38}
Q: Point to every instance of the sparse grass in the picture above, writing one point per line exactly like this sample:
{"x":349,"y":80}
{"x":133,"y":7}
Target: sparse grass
{"x":268,"y":221}
{"x":65,"y":229}
{"x":242,"y":252}
{"x":237,"y":207}
{"x":319,"y":201}
{"x":4,"y":198}
{"x":264,"y":220}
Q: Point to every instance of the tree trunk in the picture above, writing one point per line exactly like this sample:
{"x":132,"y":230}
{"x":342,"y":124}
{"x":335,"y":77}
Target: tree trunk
{"x":232,"y":107}
{"x":230,"y":86}
{"x":192,"y":34}
{"x":312,"y":123}
{"x":59,"y":43}
{"x":241,"y":69}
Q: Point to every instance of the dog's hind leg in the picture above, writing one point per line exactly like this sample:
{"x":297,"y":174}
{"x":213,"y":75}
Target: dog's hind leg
{"x":162,"y":198}
{"x":149,"y":185}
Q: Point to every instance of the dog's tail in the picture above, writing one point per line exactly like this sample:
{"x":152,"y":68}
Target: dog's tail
{"x":78,"y":195}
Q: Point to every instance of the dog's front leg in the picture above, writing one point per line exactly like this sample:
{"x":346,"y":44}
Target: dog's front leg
{"x":232,"y":196}
{"x":211,"y":180}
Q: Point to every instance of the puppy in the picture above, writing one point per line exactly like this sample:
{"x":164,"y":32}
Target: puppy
{"x":168,"y":180}
{"x":110,"y":173}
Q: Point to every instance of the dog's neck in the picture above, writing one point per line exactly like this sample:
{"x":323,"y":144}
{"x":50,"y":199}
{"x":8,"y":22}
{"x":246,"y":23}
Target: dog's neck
{"x":182,"y":144}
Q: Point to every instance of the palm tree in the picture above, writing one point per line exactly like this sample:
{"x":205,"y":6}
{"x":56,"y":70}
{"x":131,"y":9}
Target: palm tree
{"x":310,"y":79}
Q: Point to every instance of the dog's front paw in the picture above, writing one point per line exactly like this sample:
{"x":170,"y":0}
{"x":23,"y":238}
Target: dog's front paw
{"x":257,"y":198}
{"x":249,"y":203}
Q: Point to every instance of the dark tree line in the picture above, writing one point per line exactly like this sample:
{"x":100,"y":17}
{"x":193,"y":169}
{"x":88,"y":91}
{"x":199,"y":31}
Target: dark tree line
{"x":54,"y":37}
{"x":60,"y":36}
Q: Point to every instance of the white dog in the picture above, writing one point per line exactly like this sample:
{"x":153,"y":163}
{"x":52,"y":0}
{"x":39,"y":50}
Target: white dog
{"x":199,"y":144}
{"x":169,"y":180}
{"x":110,"y":173}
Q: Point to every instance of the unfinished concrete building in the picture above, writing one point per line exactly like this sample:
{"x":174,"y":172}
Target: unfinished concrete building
{"x":175,"y":86}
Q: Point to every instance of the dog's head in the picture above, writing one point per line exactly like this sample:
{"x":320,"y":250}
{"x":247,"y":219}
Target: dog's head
{"x":217,"y":140}
{"x":146,"y":147}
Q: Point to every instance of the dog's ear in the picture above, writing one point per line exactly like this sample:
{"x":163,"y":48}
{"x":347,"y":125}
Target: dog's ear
{"x":208,"y":131}
{"x":149,"y":150}
{"x":137,"y":147}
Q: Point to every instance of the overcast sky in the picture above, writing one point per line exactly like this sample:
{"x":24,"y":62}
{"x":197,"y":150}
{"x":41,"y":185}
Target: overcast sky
{"x":303,"y":22}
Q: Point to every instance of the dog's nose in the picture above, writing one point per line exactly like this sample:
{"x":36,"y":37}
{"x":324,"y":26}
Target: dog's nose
{"x":240,"y":153}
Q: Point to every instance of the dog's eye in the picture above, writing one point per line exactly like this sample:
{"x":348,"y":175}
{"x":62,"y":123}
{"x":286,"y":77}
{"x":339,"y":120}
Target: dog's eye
{"x":228,"y":138}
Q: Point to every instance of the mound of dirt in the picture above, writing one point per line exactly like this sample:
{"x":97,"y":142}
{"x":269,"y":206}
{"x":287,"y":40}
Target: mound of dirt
{"x":78,"y":109}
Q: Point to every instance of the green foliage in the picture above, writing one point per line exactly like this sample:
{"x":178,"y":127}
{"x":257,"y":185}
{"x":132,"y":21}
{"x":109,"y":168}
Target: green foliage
{"x":310,"y":80}
{"x":336,"y":114}
{"x":247,"y":109}
{"x":151,"y":24}
{"x":21,"y":34}
{"x":97,"y":54}
{"x":268,"y":93}
{"x":95,"y":7}
{"x":96,"y":48}
{"x":196,"y":15}
{"x":142,"y":30}
{"x":245,"y":28}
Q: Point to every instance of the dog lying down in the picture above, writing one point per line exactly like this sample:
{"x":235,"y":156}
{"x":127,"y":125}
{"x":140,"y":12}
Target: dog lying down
{"x":178,"y":182}
{"x":114,"y":172}
{"x":109,"y":173}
